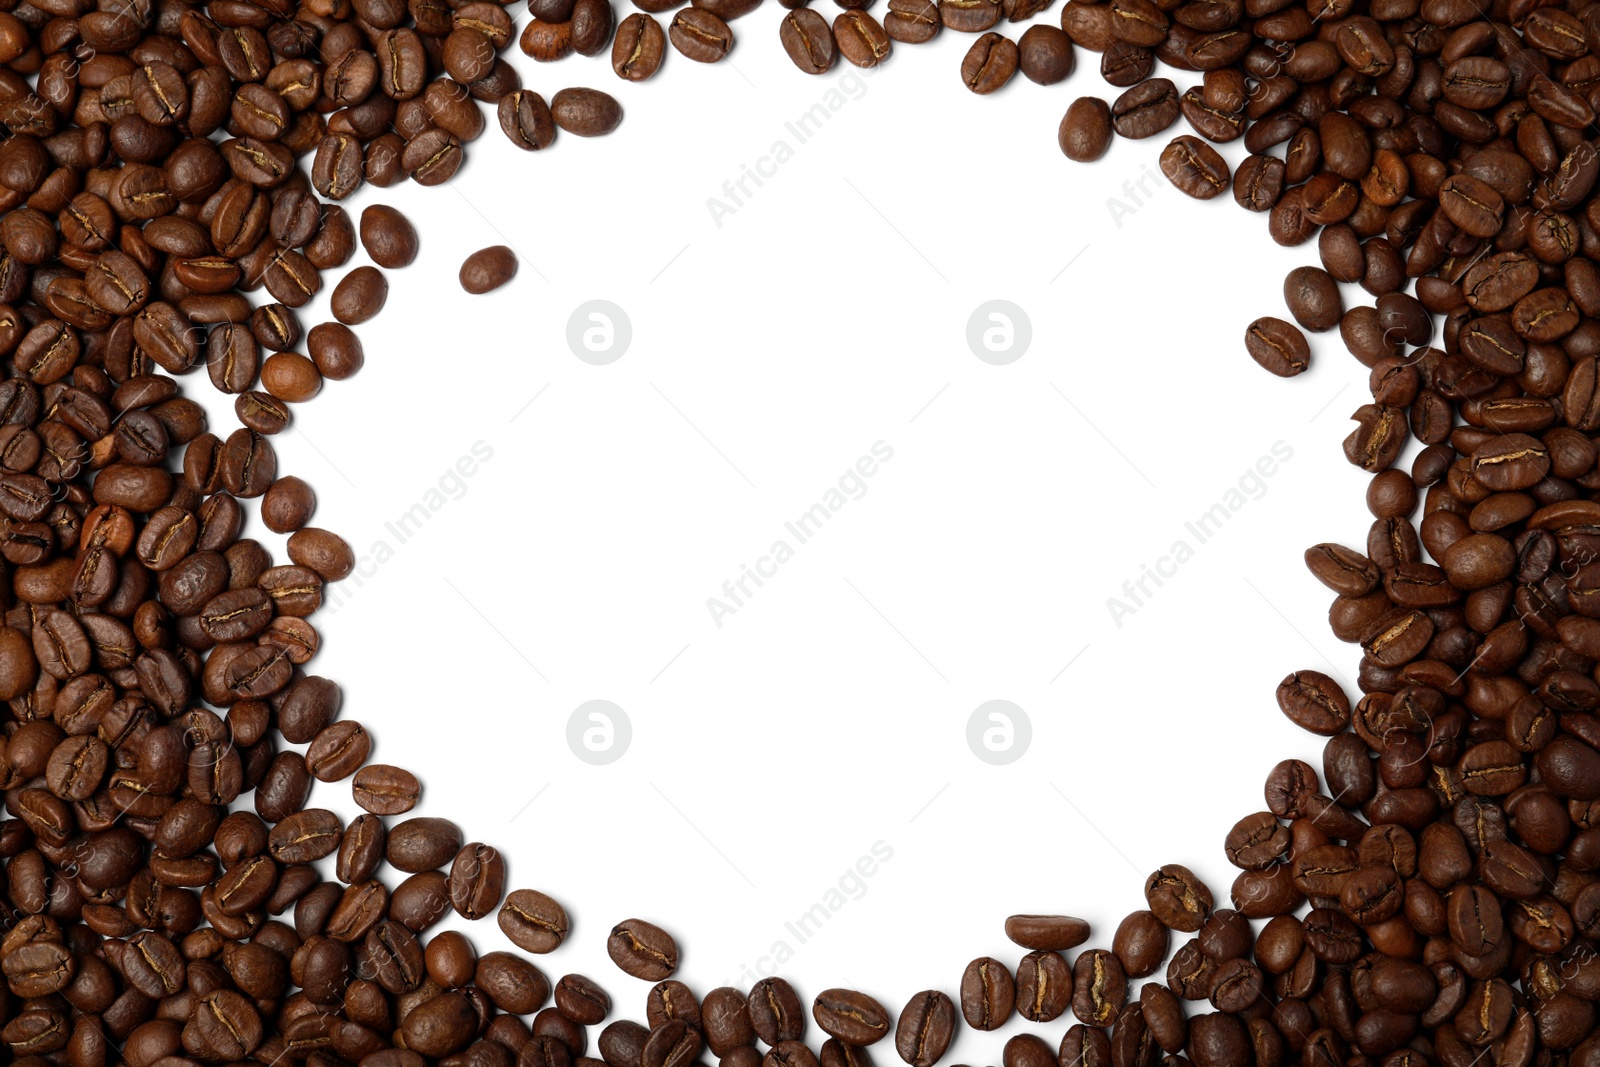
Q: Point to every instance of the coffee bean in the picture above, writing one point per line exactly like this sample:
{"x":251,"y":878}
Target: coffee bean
{"x":854,"y":1018}
{"x":533,"y":921}
{"x":585,"y":112}
{"x":1146,"y":109}
{"x":336,"y":350}
{"x":1044,"y":986}
{"x":291,"y":377}
{"x":1099,"y":987}
{"x":1277,"y":346}
{"x":861,"y":39}
{"x":642,"y":950}
{"x":582,"y":1000}
{"x":1027,"y":1050}
{"x":925,"y":1028}
{"x":808,"y":40}
{"x":988,"y":994}
{"x":422,"y":844}
{"x":638,"y":48}
{"x":912,"y":21}
{"x":1179,"y":899}
{"x":1195,"y":167}
{"x":1044,"y":55}
{"x":388,"y":236}
{"x":1055,"y":933}
{"x":488,"y":269}
{"x":1313,"y":298}
{"x":989,"y":63}
{"x":1314,"y":702}
{"x":385,"y":790}
{"x":700,"y":35}
{"x":1086,"y":130}
{"x":359,"y":296}
{"x":526,"y":120}
{"x":775,"y":1011}
{"x":969,"y":16}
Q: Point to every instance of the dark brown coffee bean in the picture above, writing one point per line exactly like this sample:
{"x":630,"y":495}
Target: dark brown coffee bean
{"x":912,"y":21}
{"x":861,"y":39}
{"x":808,"y":40}
{"x":776,"y":1013}
{"x":385,"y":790}
{"x":700,"y":35}
{"x":1313,"y":298}
{"x":1086,"y":130}
{"x":989,"y":63}
{"x":1044,"y":55}
{"x":1140,"y":944}
{"x":642,"y":950}
{"x":1278,"y":346}
{"x":585,"y":112}
{"x":925,"y":1028}
{"x":988,"y":994}
{"x":853,"y":1017}
{"x":1044,"y":986}
{"x":1179,"y":899}
{"x":1146,"y":109}
{"x":388,"y":236}
{"x":488,"y":269}
{"x":533,"y":921}
{"x":638,"y":48}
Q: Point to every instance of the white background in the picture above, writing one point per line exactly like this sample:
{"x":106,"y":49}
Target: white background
{"x":827,"y":313}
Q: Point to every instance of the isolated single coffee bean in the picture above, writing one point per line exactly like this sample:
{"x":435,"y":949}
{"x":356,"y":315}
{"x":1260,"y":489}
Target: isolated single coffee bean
{"x":488,"y":269}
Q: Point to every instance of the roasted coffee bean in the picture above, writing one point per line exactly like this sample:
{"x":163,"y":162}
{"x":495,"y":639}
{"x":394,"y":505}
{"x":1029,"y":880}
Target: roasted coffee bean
{"x":1179,"y":899}
{"x":808,"y":40}
{"x":1044,"y":986}
{"x":1195,"y":167}
{"x":988,"y":994}
{"x":1044,"y":54}
{"x":1099,"y":987}
{"x":914,"y":21}
{"x":488,"y":269}
{"x":1055,"y":933}
{"x":388,"y":236}
{"x":1314,"y":702}
{"x":1146,"y":109}
{"x":775,"y":1011}
{"x":1278,"y":346}
{"x":533,"y":921}
{"x":525,"y":119}
{"x":386,"y":790}
{"x":585,"y":112}
{"x":359,"y":296}
{"x":642,"y":950}
{"x":1313,"y":298}
{"x":989,"y":63}
{"x":926,"y":1026}
{"x":853,"y":1017}
{"x":860,"y":38}
{"x":637,"y":50}
{"x":700,"y":35}
{"x":1086,"y":129}
{"x":1140,"y":944}
{"x":422,"y":844}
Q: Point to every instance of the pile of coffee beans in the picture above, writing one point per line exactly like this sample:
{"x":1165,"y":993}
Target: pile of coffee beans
{"x":1431,"y":897}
